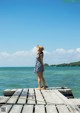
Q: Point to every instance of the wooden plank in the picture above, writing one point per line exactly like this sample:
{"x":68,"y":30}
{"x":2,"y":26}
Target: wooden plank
{"x":65,"y":90}
{"x":51,"y":97}
{"x":72,"y":108}
{"x":5,"y":108}
{"x":51,"y":109}
{"x":63,"y":109}
{"x":15,"y":97}
{"x":16,"y":109}
{"x":55,"y":98}
{"x":31,"y":97}
{"x":61,"y":96}
{"x":57,"y":88}
{"x":47,"y":97}
{"x":75,"y":101}
{"x":3,"y":99}
{"x":23,"y":96}
{"x":27,"y":109}
{"x":39,"y":97}
{"x":39,"y":109}
{"x":7,"y":92}
{"x":17,"y":93}
{"x":14,"y":90}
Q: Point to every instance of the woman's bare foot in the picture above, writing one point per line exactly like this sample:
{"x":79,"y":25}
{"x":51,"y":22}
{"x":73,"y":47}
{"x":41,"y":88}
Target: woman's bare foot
{"x":39,"y":88}
{"x":43,"y":88}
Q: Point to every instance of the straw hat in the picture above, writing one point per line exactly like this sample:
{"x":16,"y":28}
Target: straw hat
{"x":40,"y":48}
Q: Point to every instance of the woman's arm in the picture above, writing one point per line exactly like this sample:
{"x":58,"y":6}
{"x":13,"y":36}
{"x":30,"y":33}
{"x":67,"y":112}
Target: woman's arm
{"x":41,"y":60}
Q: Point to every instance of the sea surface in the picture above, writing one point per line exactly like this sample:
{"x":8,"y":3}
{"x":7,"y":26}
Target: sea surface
{"x":24,"y":77}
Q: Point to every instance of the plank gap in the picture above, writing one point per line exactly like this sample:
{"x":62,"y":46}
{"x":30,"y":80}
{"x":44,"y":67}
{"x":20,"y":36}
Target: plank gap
{"x":10,"y":109}
{"x":43,"y":97}
{"x":19,"y":96}
{"x":31,"y":97}
{"x":34,"y":109}
{"x":27,"y":96}
{"x":22,"y":109}
{"x":45,"y":108}
{"x":57,"y":108}
{"x":35,"y":97}
{"x":68,"y":108}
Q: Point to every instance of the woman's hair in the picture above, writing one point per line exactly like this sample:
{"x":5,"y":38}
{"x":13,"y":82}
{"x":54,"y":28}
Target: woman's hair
{"x":40,"y":48}
{"x":40,"y":52}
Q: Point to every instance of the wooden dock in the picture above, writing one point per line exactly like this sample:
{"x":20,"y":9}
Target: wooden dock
{"x":31,"y":100}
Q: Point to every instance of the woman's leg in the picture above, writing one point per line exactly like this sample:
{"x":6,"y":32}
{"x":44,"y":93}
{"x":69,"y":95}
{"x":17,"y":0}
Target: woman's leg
{"x":43,"y":80}
{"x":39,"y":79}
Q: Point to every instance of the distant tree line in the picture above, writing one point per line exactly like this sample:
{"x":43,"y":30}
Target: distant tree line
{"x":64,"y":64}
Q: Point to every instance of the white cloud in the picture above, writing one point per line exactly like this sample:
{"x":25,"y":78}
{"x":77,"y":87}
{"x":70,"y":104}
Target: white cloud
{"x":70,"y":51}
{"x":20,"y":54}
{"x":61,"y":51}
{"x":34,"y":50}
{"x":4,"y":54}
{"x":78,"y":49}
{"x":28,"y":57}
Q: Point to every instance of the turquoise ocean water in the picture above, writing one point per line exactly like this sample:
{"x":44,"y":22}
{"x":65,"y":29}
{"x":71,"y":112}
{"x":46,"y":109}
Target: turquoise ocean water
{"x":24,"y":77}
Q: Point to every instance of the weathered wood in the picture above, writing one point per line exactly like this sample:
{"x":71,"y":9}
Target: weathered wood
{"x":39,"y":101}
{"x":14,"y":90}
{"x":15,"y":97}
{"x":55,"y":98}
{"x":51,"y":109}
{"x":3,"y":99}
{"x":47,"y":97}
{"x":62,"y":109}
{"x":51,"y":97}
{"x":9,"y":92}
{"x":18,"y":92}
{"x":5,"y":108}
{"x":66,"y":92}
{"x":31,"y":97}
{"x":73,"y":108}
{"x":57,"y":88}
{"x":27,"y":109}
{"x":39,"y":97}
{"x":16,"y":109}
{"x":75,"y":101}
{"x":39,"y":109}
{"x":23,"y":96}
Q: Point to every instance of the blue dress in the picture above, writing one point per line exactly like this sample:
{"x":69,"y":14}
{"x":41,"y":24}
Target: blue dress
{"x":38,"y":67}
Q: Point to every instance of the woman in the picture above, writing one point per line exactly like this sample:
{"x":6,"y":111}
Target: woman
{"x":39,"y":67}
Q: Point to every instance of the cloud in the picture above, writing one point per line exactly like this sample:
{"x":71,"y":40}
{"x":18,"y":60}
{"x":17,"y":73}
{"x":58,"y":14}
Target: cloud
{"x":61,"y":51}
{"x":20,"y":54}
{"x":28,"y":57}
{"x":34,"y":50}
{"x":4,"y":54}
{"x":78,"y":50}
{"x":61,"y":55}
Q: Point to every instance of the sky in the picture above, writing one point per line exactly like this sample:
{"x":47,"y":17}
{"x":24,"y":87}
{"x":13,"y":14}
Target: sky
{"x":24,"y":24}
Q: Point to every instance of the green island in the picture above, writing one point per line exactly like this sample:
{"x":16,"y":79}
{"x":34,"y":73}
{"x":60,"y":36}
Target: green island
{"x":64,"y":64}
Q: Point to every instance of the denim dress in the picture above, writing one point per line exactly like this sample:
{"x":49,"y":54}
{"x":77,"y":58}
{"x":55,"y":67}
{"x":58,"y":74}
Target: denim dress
{"x":38,"y":67}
